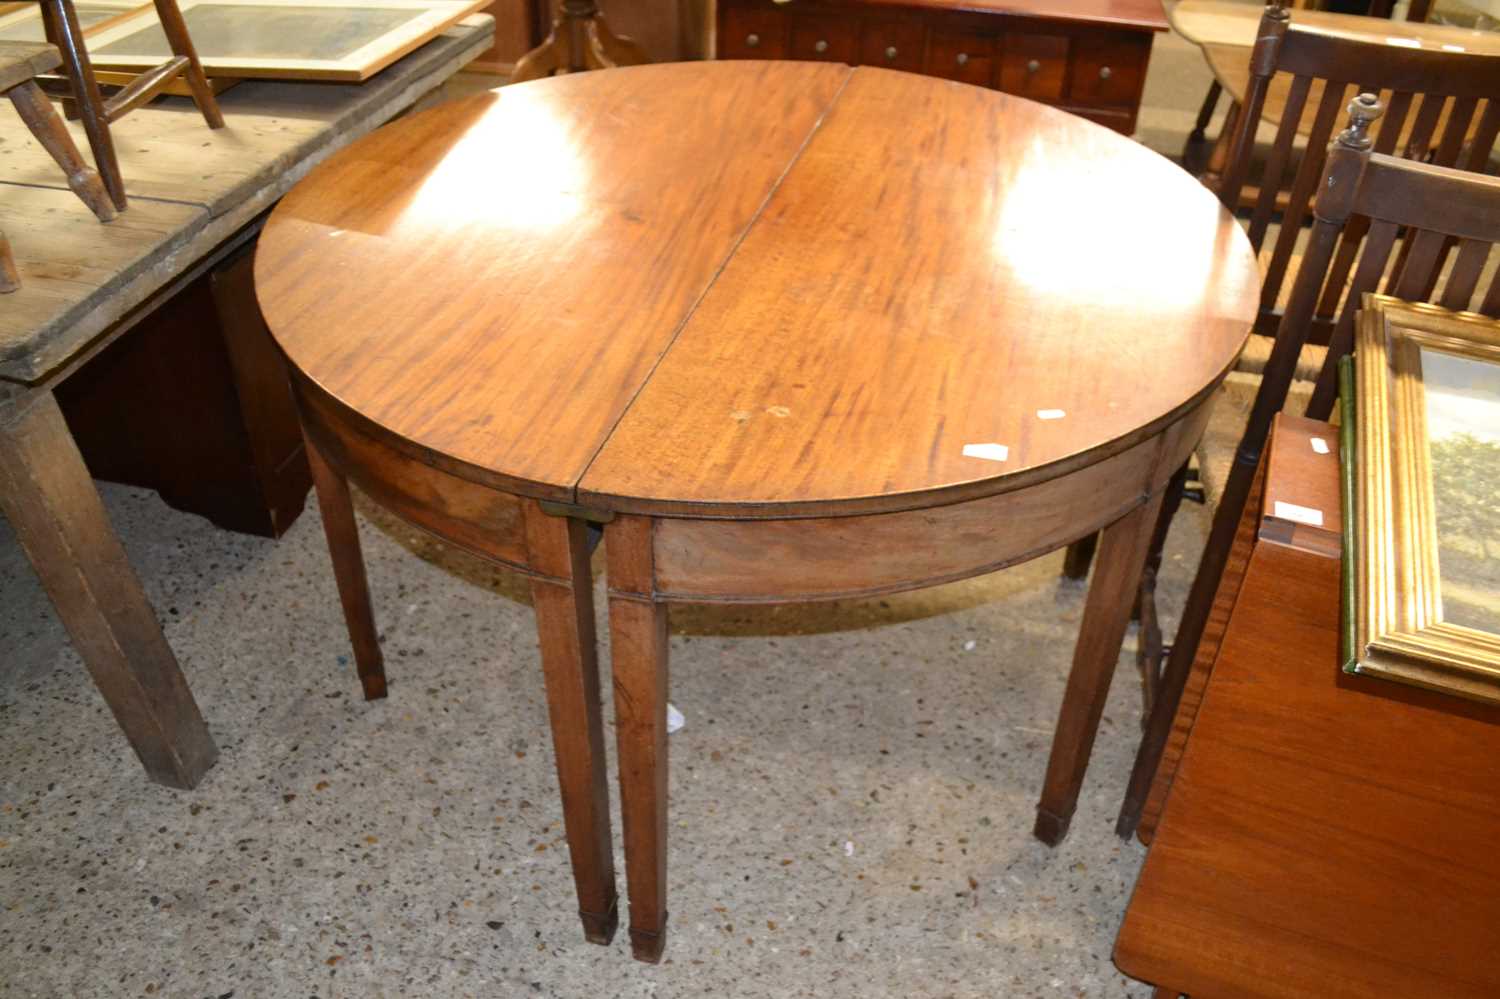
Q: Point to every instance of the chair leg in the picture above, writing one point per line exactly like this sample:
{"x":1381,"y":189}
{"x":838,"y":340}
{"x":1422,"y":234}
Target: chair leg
{"x":1106,"y":615}
{"x":63,"y":30}
{"x":43,"y":120}
{"x":170,"y":16}
{"x":349,"y":571}
{"x":10,"y":278}
{"x":1149,"y":648}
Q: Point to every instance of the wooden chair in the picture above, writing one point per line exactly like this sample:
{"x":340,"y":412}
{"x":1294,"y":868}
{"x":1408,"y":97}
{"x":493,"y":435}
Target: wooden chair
{"x":1423,"y":227}
{"x":1443,"y":106}
{"x":20,"y":64}
{"x":1211,"y":164}
{"x":61,"y":22}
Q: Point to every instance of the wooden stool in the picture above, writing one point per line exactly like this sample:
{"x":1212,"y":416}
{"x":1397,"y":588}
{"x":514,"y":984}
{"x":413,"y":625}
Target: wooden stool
{"x":61,"y":22}
{"x":579,"y":40}
{"x":20,"y":64}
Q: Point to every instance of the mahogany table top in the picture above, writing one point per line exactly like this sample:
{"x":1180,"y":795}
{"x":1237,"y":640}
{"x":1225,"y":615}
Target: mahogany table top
{"x":756,"y":289}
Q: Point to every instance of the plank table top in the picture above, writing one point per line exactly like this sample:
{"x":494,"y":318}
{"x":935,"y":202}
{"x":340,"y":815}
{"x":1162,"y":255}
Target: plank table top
{"x":190,"y":189}
{"x":756,"y":289}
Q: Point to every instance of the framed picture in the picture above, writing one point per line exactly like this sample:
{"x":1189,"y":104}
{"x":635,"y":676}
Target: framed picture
{"x":1427,"y":498}
{"x":347,"y":40}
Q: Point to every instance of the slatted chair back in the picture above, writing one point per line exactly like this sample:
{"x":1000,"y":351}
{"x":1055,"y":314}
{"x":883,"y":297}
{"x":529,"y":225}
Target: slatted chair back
{"x":1427,"y":208}
{"x":1442,"y":106}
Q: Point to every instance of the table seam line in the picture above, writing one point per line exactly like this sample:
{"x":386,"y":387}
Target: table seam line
{"x":692,"y":309}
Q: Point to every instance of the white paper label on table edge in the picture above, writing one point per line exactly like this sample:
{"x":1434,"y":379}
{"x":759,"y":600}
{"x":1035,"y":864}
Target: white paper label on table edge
{"x":989,"y":452}
{"x":1320,"y":445}
{"x":1283,"y":510}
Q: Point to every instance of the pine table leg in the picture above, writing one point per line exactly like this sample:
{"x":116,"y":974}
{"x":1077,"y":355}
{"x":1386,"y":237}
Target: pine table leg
{"x":50,"y":500}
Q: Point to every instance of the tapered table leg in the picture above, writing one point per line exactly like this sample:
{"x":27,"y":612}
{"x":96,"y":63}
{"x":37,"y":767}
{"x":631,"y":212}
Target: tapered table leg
{"x":1106,"y":615}
{"x":50,"y":501}
{"x":638,"y":643}
{"x":348,"y":570}
{"x":564,"y":603}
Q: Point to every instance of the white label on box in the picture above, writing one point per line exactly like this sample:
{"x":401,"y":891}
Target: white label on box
{"x":1320,"y":445}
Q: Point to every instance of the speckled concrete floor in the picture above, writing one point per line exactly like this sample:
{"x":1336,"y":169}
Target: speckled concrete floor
{"x":852,"y":794}
{"x":851,"y":797}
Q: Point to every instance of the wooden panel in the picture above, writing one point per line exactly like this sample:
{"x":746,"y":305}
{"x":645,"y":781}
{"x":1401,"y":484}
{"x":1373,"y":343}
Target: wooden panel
{"x":1034,"y":66}
{"x":825,"y":39}
{"x":211,"y":397}
{"x":594,"y":244}
{"x":515,"y":33}
{"x":892,"y":44}
{"x":966,"y":56}
{"x":826,"y":558}
{"x":1300,"y":853}
{"x":484,"y":521}
{"x":927,"y":264}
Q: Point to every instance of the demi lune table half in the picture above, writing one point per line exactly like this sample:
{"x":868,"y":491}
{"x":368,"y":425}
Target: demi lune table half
{"x":781,"y":332}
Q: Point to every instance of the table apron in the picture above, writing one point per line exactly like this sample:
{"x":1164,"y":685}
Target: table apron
{"x":775,"y":561}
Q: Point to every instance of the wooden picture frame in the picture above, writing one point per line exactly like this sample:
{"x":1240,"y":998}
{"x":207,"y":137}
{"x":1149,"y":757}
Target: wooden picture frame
{"x":22,"y":22}
{"x":339,"y":40}
{"x":1426,"y":483}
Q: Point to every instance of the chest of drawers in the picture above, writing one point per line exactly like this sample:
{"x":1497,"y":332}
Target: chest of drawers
{"x":1085,"y":56}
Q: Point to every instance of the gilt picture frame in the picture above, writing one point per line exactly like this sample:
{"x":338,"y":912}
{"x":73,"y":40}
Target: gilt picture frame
{"x":336,"y":40}
{"x":1427,"y":498}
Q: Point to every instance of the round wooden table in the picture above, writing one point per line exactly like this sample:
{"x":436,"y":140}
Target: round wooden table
{"x":785,"y":332}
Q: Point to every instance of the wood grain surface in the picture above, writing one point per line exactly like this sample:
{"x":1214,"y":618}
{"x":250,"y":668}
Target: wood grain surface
{"x":1326,"y":835}
{"x":191,"y":188}
{"x":756,"y":289}
{"x":510,"y":268}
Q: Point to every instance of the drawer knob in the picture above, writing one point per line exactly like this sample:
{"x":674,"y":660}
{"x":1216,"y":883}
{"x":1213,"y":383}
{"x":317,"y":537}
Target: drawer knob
{"x":890,"y":51}
{"x":1105,"y":72}
{"x":1033,"y":66}
{"x":820,"y":46}
{"x":752,"y":40}
{"x":963,"y":58}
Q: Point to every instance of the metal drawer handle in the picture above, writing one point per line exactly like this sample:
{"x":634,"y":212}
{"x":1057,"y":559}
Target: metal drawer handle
{"x":1105,"y":72}
{"x":820,"y":46}
{"x":752,"y":40}
{"x":890,"y":51}
{"x":963,"y":58}
{"x":1033,"y":66}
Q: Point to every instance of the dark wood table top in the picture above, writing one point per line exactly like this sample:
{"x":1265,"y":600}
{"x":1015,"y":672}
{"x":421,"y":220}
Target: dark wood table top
{"x":756,"y":289}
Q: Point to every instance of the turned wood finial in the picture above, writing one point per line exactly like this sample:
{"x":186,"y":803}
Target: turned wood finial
{"x":1363,"y":110}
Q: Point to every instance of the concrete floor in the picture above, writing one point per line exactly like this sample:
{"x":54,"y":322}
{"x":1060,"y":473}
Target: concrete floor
{"x":851,"y":797}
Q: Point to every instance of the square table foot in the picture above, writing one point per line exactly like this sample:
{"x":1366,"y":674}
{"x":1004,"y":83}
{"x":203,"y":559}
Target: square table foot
{"x":647,"y":946}
{"x":600,"y":928}
{"x":374,"y":685}
{"x":1051,"y":829}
